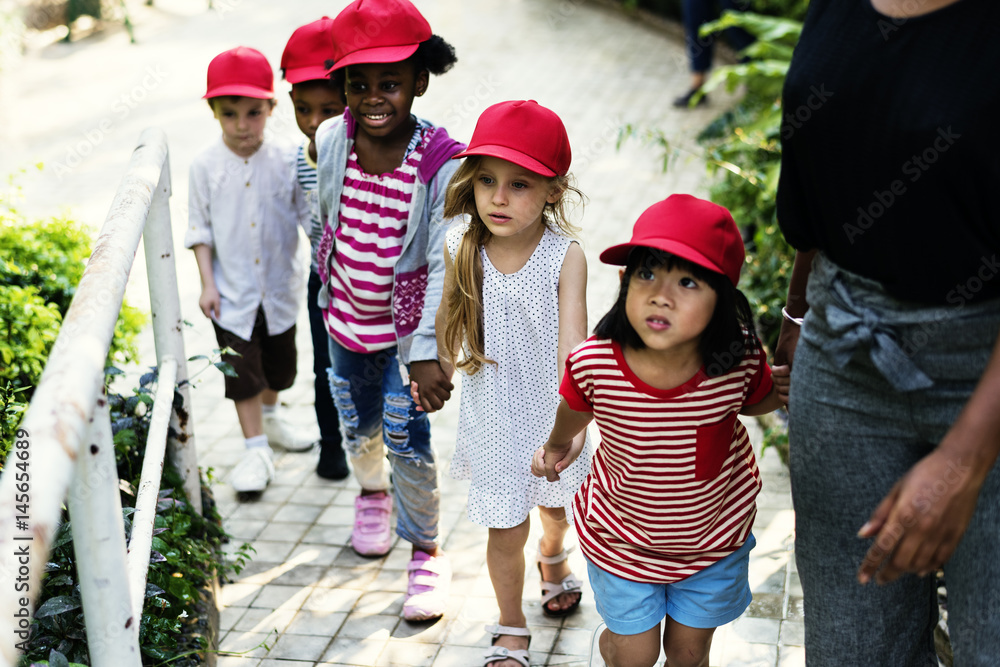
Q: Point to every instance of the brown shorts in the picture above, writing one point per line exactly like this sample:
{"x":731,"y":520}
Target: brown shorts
{"x":267,"y":362}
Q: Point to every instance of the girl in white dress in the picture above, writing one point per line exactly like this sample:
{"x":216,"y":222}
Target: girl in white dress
{"x":513,"y":308}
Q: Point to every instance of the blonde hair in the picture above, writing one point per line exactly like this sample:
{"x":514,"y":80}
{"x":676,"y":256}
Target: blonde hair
{"x":465,"y":302}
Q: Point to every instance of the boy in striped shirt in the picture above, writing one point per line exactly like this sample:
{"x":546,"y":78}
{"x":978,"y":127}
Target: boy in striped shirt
{"x":315,"y":98}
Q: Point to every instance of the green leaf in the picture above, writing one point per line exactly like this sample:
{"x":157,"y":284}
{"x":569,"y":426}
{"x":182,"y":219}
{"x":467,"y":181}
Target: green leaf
{"x":57,"y":605}
{"x":226,"y":368}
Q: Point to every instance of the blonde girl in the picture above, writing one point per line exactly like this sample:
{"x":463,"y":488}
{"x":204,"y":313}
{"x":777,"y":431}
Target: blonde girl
{"x":513,"y":308}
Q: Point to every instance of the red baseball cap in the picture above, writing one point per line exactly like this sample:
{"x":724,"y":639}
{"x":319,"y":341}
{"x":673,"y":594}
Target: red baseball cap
{"x":693,"y":229}
{"x":307,"y":50}
{"x":241,"y":71}
{"x":525,"y":133}
{"x":377,"y":31}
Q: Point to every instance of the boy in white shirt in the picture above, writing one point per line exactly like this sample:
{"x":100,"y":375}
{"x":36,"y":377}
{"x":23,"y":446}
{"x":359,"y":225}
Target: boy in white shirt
{"x":244,"y":229}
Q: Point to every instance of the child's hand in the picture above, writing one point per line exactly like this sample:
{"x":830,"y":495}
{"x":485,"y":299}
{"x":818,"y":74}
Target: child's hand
{"x":434,"y":386}
{"x":415,"y":395}
{"x":556,"y":458}
{"x":782,"y":377}
{"x":210,"y":302}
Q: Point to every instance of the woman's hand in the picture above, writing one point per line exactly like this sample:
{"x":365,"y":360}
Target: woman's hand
{"x":920,"y":523}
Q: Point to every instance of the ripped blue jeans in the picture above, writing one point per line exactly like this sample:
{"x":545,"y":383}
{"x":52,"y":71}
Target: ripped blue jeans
{"x":377,"y":413}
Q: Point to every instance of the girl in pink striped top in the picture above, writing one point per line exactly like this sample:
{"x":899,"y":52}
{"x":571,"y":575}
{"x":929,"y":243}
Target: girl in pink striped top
{"x":664,"y":516}
{"x":382,"y":177}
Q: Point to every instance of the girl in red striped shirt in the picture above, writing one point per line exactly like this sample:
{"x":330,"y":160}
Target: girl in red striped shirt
{"x":664,"y":516}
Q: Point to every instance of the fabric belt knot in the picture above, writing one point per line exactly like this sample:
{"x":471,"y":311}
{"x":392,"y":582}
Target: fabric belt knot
{"x":857,"y":327}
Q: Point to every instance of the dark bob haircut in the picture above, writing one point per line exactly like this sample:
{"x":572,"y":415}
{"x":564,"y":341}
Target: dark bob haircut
{"x":730,"y":334}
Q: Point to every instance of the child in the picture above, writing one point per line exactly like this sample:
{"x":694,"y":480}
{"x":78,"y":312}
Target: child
{"x":664,"y":516}
{"x":316,"y":98}
{"x":383,"y":174}
{"x":515,"y":303}
{"x":244,"y":231}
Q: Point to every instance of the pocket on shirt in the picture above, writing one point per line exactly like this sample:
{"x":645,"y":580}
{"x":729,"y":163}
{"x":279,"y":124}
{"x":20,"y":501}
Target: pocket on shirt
{"x":714,"y":442}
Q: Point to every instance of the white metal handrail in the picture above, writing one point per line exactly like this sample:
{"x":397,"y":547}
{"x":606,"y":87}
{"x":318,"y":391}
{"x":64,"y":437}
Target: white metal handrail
{"x":65,"y":444}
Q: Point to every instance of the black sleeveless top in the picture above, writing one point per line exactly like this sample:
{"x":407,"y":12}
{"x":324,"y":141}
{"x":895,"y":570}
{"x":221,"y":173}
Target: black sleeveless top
{"x":891,"y":147}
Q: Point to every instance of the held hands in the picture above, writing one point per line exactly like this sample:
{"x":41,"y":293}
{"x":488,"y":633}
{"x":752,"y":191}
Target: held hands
{"x":920,"y":523}
{"x":430,"y":385}
{"x":551,"y":459}
{"x":782,"y":377}
{"x":210,"y":302}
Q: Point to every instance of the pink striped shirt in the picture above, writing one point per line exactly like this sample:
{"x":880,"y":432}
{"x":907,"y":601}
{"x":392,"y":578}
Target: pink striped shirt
{"x":374,"y":209}
{"x":672,"y":486}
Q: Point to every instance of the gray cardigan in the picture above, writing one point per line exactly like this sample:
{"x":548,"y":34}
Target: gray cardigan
{"x":418,"y":277}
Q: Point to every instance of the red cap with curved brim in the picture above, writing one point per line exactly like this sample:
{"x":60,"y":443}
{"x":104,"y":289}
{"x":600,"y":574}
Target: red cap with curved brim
{"x":241,"y":71}
{"x":693,"y":229}
{"x":307,"y":50}
{"x":377,"y":31}
{"x":525,"y":133}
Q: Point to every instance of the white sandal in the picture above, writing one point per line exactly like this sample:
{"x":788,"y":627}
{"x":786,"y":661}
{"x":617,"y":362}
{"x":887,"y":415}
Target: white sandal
{"x":498,"y":653}
{"x":551,"y":590}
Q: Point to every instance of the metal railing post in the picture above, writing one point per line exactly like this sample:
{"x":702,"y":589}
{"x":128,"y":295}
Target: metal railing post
{"x":57,"y":420}
{"x":168,"y":330}
{"x":144,"y":518}
{"x":99,"y":544}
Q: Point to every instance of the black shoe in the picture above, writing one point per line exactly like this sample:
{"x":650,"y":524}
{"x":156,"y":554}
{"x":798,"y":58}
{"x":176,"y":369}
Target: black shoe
{"x":684,"y":101}
{"x":332,"y":461}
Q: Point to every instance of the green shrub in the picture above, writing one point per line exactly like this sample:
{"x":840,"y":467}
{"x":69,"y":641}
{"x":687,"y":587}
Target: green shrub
{"x":42,"y":264}
{"x":743,"y":151}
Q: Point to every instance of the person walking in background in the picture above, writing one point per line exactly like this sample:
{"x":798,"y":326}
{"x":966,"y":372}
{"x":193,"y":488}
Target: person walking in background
{"x":315,"y":98}
{"x":383,"y":174}
{"x":514,"y":303}
{"x":664,"y":516}
{"x":243,"y":225}
{"x":894,"y":422}
{"x":701,"y":50}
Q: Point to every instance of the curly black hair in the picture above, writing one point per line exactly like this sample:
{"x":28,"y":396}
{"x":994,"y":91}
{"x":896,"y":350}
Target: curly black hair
{"x":435,"y":55}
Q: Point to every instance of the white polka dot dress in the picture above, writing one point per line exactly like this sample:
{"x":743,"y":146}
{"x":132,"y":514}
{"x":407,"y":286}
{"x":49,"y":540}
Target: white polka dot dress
{"x":508,"y":409}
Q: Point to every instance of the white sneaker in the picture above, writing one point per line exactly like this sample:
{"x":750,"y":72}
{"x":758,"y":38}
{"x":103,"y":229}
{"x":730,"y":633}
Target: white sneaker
{"x":254,"y":471}
{"x":281,"y":433}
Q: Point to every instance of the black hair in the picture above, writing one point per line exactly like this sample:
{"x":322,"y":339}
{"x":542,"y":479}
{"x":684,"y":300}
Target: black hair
{"x":326,"y":83}
{"x":434,"y":55}
{"x":730,"y":334}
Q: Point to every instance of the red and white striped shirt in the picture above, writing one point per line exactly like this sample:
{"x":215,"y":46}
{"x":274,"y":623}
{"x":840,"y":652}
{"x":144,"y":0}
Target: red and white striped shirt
{"x":672,"y":486}
{"x":374,"y":209}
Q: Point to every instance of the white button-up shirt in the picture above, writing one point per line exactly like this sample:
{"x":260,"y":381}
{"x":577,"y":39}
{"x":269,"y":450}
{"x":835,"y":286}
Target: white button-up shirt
{"x":249,"y":212}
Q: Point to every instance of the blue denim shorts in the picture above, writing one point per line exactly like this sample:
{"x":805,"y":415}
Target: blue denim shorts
{"x":707,"y":599}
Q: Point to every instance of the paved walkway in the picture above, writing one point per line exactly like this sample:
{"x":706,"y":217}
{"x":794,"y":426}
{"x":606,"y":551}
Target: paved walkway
{"x":80,"y":107}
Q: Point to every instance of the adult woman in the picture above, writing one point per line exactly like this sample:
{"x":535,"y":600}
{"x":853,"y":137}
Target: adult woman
{"x":889,"y":162}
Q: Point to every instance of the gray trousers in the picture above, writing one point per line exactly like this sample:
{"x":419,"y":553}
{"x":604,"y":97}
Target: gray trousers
{"x":875,"y":386}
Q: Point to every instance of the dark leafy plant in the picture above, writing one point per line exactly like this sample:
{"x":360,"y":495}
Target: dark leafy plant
{"x":186,"y":554}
